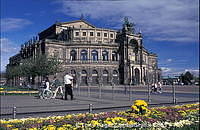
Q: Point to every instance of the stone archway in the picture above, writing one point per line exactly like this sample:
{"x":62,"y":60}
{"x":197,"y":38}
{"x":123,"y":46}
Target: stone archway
{"x":137,"y":76}
{"x":94,"y":77}
{"x":115,"y":76}
{"x":105,"y":77}
{"x":83,"y":77}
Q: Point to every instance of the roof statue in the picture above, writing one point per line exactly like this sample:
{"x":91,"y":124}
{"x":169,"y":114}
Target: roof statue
{"x":127,"y":26}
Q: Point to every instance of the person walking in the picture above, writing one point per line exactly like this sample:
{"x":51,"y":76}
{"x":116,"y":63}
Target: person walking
{"x":152,"y":88}
{"x":156,"y":88}
{"x":159,"y":87}
{"x":68,"y":86}
{"x":47,"y":83}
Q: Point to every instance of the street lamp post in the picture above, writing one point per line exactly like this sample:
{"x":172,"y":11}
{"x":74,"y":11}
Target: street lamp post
{"x":173,"y":89}
{"x":148,"y":87}
{"x":79,"y":86}
{"x":174,"y":94}
{"x":100,"y":85}
{"x":148,"y":80}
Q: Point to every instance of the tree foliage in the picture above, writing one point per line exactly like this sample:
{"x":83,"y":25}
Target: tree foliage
{"x":39,"y":66}
{"x":187,"y":78}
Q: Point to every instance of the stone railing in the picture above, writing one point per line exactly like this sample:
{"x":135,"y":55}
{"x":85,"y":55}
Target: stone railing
{"x":90,"y":61}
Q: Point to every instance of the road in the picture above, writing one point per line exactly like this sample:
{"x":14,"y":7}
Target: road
{"x":106,"y":100}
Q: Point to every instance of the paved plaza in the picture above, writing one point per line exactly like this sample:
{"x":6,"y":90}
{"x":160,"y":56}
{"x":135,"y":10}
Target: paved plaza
{"x":118,"y":97}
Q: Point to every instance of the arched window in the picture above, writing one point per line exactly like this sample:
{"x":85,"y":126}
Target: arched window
{"x":84,"y":73}
{"x":134,"y":43}
{"x":94,"y":77}
{"x":105,"y":73}
{"x":94,"y":55}
{"x":114,"y":56}
{"x":83,"y":77}
{"x":115,"y":73}
{"x":94,"y":73}
{"x":84,"y":55}
{"x":73,"y":55}
{"x":115,"y":77}
{"x":105,"y":55}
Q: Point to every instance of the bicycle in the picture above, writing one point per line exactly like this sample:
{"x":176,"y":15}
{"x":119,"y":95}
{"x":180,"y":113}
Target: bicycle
{"x":47,"y":93}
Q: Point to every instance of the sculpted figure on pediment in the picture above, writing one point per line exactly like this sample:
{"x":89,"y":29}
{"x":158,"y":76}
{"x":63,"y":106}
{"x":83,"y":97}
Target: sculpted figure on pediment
{"x":127,"y":26}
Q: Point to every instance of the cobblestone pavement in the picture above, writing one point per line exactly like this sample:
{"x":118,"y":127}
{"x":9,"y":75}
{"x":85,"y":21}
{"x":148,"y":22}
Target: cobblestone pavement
{"x":117,"y":97}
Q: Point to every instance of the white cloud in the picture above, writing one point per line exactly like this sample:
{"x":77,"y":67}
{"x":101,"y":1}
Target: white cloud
{"x":171,"y":71}
{"x":165,"y":69}
{"x":8,"y":49}
{"x":160,"y":20}
{"x":12,"y":24}
{"x":169,"y":60}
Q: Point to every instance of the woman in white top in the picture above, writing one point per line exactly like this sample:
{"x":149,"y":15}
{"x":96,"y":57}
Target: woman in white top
{"x":47,"y":83}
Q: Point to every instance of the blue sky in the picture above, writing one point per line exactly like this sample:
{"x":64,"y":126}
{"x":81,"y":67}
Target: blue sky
{"x":170,"y":27}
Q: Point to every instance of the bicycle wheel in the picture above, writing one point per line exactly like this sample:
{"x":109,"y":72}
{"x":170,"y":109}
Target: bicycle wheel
{"x":47,"y":94}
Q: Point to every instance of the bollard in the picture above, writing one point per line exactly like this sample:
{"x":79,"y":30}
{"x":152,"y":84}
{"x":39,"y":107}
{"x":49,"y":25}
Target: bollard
{"x":112,"y":91}
{"x":100,"y":90}
{"x":14,"y":112}
{"x":90,"y":108}
{"x":130,"y":95}
{"x":79,"y":90}
{"x":174,"y":94}
{"x":149,"y":100}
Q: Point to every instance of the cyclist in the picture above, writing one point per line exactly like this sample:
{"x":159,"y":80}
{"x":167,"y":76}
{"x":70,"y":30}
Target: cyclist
{"x":57,"y":84}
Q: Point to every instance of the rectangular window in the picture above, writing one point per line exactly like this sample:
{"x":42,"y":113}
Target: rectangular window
{"x":98,"y":34}
{"x":84,"y":33}
{"x":91,"y":34}
{"x":105,"y":34}
{"x":77,"y":34}
{"x":111,"y":35}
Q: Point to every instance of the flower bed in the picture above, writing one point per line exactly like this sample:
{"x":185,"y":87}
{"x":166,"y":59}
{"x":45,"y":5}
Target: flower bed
{"x":15,"y":90}
{"x":18,"y":92}
{"x":139,"y":116}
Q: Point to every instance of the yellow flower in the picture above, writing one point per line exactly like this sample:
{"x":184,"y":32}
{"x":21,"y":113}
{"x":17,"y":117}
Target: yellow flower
{"x":131,"y":122}
{"x":67,"y":125}
{"x":32,"y":129}
{"x":140,"y":103}
{"x":108,"y":123}
{"x":61,"y":128}
{"x":68,"y":116}
{"x":144,"y":108}
{"x":51,"y":127}
{"x":94,"y":123}
{"x":9,"y":125}
{"x":4,"y":122}
{"x":183,"y":113}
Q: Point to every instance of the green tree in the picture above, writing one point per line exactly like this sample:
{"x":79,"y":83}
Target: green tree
{"x":186,"y":78}
{"x":32,"y":67}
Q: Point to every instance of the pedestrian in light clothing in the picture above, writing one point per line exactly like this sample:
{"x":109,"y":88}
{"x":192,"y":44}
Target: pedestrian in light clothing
{"x":159,"y":87}
{"x":47,"y":84}
{"x":68,"y":80}
{"x":156,"y":88}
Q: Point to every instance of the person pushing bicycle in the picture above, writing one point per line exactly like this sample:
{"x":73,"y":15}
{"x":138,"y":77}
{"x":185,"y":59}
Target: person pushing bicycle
{"x":58,"y":85}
